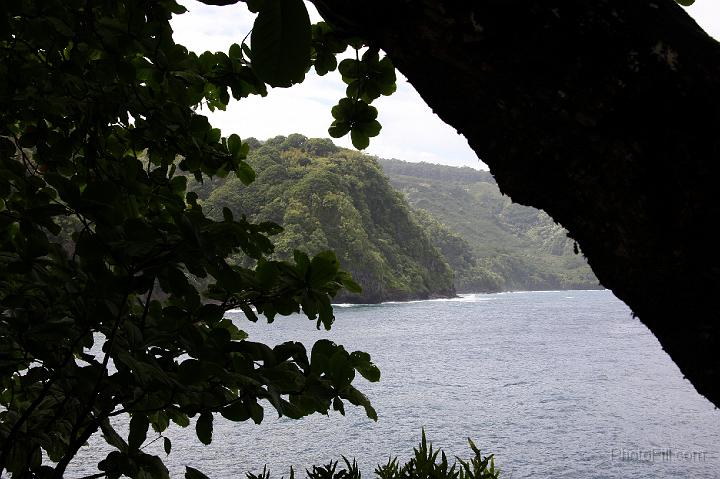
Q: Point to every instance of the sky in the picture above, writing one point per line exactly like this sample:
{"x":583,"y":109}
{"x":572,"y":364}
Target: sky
{"x":411,"y":131}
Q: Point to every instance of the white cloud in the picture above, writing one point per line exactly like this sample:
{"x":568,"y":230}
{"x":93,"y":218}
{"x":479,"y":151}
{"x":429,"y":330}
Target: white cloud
{"x":411,"y":131}
{"x":206,"y":27}
{"x":707,"y":14}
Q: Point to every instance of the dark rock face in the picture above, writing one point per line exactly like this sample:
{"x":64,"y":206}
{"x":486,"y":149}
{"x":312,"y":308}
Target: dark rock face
{"x":604,"y":113}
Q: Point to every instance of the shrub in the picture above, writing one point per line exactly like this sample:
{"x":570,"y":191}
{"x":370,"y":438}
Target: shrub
{"x":425,"y":463}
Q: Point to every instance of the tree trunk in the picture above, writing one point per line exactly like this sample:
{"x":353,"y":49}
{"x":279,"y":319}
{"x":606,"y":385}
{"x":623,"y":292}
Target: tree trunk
{"x":604,"y":113}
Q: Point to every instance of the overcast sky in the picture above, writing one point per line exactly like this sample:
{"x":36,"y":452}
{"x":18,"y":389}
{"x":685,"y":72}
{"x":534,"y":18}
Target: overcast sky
{"x":411,"y":131}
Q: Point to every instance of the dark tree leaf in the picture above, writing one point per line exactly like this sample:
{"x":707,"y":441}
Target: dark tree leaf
{"x":139,"y":424}
{"x":280,"y":42}
{"x":204,"y":428}
{"x":192,"y":473}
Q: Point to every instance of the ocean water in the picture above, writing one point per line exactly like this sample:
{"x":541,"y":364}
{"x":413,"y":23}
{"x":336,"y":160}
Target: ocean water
{"x":554,"y":384}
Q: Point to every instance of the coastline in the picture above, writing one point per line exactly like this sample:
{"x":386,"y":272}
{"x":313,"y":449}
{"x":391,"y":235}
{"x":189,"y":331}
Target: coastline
{"x":464,"y":296}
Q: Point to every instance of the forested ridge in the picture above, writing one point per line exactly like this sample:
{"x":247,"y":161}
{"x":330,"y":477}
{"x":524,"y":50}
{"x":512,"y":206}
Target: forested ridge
{"x":456,"y":233}
{"x":503,"y":246}
{"x":328,"y":198}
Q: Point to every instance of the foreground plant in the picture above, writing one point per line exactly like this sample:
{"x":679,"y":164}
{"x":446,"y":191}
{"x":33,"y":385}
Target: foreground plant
{"x":425,"y":463}
{"x":102,"y":249}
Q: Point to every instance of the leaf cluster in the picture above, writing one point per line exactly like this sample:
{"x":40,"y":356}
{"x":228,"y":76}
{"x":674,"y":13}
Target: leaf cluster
{"x":103,"y":249}
{"x":425,"y":463}
{"x":284,"y":45}
{"x":367,"y":78}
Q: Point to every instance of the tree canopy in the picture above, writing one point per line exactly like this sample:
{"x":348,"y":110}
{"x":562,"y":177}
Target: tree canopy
{"x":327,"y":197}
{"x":99,"y":126}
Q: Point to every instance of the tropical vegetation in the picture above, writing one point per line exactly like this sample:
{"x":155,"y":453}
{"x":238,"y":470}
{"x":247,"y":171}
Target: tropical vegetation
{"x":326,"y":197}
{"x":496,"y":244}
{"x":425,"y":463}
{"x":99,"y":131}
{"x":446,"y":230}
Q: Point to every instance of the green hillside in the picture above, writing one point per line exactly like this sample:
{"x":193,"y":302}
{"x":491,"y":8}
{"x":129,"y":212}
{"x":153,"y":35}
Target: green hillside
{"x":325,"y":198}
{"x":496,"y":245}
{"x":404,"y":230}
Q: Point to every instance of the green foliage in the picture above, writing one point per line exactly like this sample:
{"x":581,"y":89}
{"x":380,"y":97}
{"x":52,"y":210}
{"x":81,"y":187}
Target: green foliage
{"x":367,"y":79}
{"x":456,"y":251}
{"x":326,"y":44}
{"x":426,"y":463}
{"x":429,"y":464}
{"x":491,"y":243}
{"x":265,"y":474}
{"x":192,"y":473}
{"x":327,"y":198}
{"x":281,"y":39}
{"x":358,"y":118}
{"x":330,"y":471}
{"x":103,"y":251}
{"x":284,"y":46}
